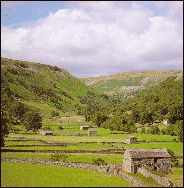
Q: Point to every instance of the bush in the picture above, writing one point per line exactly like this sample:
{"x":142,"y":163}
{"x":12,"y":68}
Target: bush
{"x":59,"y":157}
{"x":99,"y":162}
{"x":60,"y":128}
{"x":46,"y":128}
{"x":54,"y":113}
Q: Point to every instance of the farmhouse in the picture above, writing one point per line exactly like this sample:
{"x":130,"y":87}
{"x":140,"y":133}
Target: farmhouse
{"x":130,"y":140}
{"x":84,"y":127}
{"x":90,"y":132}
{"x":153,"y":159}
{"x":46,"y":132}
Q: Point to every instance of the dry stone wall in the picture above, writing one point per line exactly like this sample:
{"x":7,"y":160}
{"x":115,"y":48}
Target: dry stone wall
{"x":161,"y":180}
{"x":110,"y":169}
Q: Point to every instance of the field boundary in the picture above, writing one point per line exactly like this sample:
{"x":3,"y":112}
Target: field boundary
{"x":110,"y":169}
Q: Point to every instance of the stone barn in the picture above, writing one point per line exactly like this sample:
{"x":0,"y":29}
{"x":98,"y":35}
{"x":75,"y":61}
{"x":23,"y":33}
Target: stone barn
{"x":84,"y":127}
{"x":130,"y":140}
{"x":46,"y":132}
{"x":153,"y":159}
{"x":90,"y":132}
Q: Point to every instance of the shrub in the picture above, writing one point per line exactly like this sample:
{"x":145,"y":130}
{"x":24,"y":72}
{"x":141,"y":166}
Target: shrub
{"x":54,"y":113}
{"x":59,"y":157}
{"x":46,"y":128}
{"x":60,"y":128}
{"x":99,"y":162}
{"x":55,"y":157}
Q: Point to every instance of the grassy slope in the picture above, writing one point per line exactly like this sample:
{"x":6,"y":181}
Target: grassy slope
{"x":176,"y":176}
{"x":39,"y":85}
{"x":39,"y":175}
{"x":129,"y":82}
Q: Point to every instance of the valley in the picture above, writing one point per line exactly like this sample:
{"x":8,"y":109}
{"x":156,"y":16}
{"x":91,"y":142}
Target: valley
{"x":39,"y":97}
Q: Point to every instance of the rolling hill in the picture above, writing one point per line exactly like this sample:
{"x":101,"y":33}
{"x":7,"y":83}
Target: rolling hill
{"x":44,"y":87}
{"x":129,"y":82}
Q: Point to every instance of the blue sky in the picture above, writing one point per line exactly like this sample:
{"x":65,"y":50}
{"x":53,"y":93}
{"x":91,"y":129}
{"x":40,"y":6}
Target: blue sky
{"x":94,"y":38}
{"x":17,"y":14}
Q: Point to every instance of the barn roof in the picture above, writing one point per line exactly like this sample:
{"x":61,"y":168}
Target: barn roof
{"x":84,"y":126}
{"x":148,"y":153}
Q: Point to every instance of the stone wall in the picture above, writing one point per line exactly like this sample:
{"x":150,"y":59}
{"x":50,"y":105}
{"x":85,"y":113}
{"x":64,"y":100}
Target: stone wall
{"x":110,"y":169}
{"x":161,"y":180}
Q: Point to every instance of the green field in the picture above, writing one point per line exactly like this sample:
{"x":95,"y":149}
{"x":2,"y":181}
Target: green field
{"x":103,"y":136}
{"x":69,"y":147}
{"x":72,"y":157}
{"x":28,"y":175}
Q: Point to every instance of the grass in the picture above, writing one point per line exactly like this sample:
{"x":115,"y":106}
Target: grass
{"x":78,"y":146}
{"x":13,"y":143}
{"x":176,"y":176}
{"x":103,"y":135}
{"x":174,"y":146}
{"x":28,"y":175}
{"x":72,"y":157}
{"x":112,"y":85}
{"x":147,"y":180}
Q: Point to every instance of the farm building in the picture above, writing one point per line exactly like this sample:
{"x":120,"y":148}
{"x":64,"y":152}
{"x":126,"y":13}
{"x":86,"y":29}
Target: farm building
{"x":130,"y":140}
{"x":84,"y":127}
{"x":154,"y":159}
{"x":46,"y":132}
{"x":90,"y":132}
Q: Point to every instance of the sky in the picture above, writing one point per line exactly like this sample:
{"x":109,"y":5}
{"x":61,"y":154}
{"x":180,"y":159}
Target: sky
{"x":94,"y":38}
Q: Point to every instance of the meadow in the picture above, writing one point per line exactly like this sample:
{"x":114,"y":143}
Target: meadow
{"x":41,"y":147}
{"x":28,"y":175}
{"x":72,"y":157}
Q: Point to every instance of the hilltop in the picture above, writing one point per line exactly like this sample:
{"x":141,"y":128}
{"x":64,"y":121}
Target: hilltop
{"x":129,"y":82}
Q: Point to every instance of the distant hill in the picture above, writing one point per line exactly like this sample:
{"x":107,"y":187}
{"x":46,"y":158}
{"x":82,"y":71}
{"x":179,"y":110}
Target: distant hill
{"x":41,"y":86}
{"x":154,"y":104}
{"x":129,"y":82}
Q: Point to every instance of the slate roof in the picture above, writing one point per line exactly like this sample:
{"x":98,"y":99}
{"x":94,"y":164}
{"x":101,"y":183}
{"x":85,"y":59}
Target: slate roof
{"x":148,"y":153}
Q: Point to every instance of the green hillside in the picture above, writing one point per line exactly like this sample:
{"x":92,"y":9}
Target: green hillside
{"x":129,"y":82}
{"x":162,"y":101}
{"x":44,"y":87}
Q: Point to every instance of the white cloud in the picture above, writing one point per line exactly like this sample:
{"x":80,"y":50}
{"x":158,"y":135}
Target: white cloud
{"x":100,"y":38}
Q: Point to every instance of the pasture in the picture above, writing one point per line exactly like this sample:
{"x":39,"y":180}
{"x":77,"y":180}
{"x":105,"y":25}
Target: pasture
{"x":78,"y":147}
{"x":28,"y":175}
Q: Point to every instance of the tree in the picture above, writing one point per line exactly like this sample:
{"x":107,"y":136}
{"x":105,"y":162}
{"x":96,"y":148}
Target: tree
{"x":5,"y":120}
{"x":99,"y":118}
{"x":146,"y":117}
{"x":154,"y":129}
{"x":179,"y":125}
{"x":32,"y":120}
{"x":143,"y":130}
